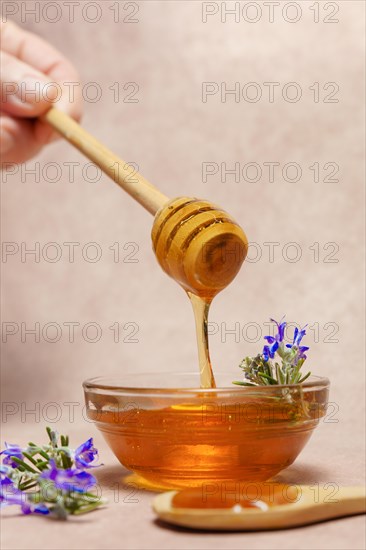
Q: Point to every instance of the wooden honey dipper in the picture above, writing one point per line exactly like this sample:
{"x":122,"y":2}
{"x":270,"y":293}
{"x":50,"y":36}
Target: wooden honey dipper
{"x":195,"y":242}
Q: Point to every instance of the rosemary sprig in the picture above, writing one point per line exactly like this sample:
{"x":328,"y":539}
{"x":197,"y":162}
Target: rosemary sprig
{"x":49,"y":479}
{"x":262,"y":371}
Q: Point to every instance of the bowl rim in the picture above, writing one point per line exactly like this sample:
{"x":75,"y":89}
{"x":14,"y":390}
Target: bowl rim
{"x":98,"y":383}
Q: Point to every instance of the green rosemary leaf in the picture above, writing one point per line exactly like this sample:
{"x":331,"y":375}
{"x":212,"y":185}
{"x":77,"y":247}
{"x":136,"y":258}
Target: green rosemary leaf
{"x":24,"y":464}
{"x":270,"y":379}
{"x":42,"y":465}
{"x":278,"y":373}
{"x":66,"y":462}
{"x":304,"y":377}
{"x":52,"y":437}
{"x":90,"y":497}
{"x":85,"y":509}
{"x":29,"y":485}
{"x":30,"y":458}
{"x":44,"y":454}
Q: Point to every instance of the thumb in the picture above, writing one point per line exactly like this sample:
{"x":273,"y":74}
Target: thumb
{"x":25,"y":92}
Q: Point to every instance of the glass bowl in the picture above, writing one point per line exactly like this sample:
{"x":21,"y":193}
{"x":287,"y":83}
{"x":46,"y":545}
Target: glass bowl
{"x":175,"y":435}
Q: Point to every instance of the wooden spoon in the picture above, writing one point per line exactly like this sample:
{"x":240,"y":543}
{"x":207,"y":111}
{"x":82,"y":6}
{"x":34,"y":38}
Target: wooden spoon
{"x":312,"y":504}
{"x":116,"y":168}
{"x":195,"y":242}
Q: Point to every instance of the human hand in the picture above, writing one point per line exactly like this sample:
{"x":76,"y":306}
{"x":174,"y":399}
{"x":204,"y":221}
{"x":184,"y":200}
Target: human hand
{"x":29,"y":64}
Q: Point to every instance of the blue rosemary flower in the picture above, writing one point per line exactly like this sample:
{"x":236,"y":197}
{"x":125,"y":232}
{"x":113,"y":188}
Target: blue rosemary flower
{"x":68,"y":480}
{"x":269,"y":351}
{"x":12,"y":451}
{"x":11,"y":495}
{"x":85,"y":454}
{"x":274,"y":341}
{"x":298,"y":336}
{"x":288,"y":360}
{"x":280,"y":328}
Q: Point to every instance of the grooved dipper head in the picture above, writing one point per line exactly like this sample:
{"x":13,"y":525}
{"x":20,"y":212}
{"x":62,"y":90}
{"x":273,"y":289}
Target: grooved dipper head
{"x":199,"y":245}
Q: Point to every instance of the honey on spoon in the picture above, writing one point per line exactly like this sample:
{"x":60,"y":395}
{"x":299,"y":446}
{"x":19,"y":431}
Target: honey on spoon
{"x":196,"y":243}
{"x":258,"y":506}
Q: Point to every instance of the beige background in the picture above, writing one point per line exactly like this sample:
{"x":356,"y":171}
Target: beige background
{"x":170,"y":132}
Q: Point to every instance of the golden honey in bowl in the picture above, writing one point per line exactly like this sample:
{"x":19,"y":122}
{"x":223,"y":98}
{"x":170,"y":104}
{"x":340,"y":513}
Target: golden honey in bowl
{"x":178,"y":438}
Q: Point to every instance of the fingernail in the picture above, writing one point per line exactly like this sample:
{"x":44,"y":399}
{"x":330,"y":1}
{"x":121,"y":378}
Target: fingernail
{"x":34,"y":90}
{"x":29,"y":90}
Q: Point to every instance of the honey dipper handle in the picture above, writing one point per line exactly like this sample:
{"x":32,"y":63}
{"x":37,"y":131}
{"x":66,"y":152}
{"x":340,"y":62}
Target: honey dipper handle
{"x":120,"y":171}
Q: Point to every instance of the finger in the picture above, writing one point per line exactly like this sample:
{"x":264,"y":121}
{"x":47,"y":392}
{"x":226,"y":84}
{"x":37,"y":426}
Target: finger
{"x":25,"y":92}
{"x":17,"y":140}
{"x":36,"y":52}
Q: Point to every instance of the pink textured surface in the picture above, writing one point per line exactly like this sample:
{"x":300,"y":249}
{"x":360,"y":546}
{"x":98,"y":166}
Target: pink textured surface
{"x":170,"y":132}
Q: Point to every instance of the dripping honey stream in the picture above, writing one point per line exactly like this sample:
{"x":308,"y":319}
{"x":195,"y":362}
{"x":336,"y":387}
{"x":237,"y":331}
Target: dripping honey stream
{"x":202,"y":248}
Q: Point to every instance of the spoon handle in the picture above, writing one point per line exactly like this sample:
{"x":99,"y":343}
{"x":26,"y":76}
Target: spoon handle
{"x":344,"y":501}
{"x":132,"y":182}
{"x":313,"y":505}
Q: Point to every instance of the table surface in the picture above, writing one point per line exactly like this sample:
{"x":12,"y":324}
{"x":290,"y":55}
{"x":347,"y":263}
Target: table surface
{"x":128,"y":522}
